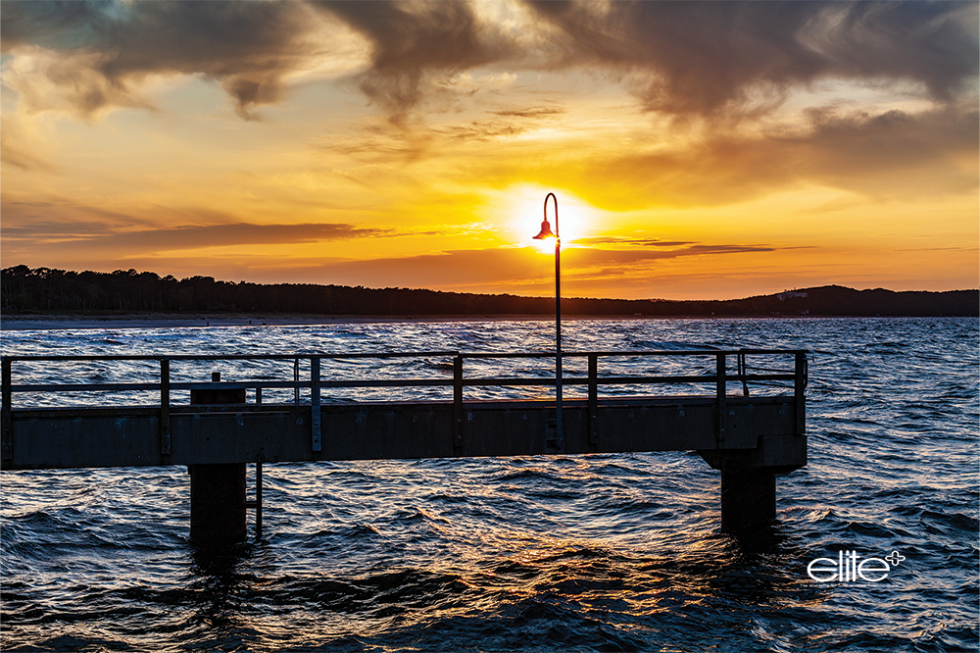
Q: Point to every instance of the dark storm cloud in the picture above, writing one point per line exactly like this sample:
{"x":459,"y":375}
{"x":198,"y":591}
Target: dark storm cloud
{"x":679,"y":57}
{"x":413,"y":39}
{"x":56,"y":23}
{"x":703,"y":57}
{"x":246,"y":46}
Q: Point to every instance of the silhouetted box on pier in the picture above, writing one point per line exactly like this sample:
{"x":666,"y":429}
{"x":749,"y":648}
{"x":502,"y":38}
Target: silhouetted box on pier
{"x":217,"y":490}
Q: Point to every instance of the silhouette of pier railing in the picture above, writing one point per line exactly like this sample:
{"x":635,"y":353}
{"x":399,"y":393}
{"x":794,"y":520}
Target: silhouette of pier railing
{"x":748,"y":435}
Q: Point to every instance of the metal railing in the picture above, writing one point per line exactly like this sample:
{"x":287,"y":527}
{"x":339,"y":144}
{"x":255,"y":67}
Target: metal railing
{"x":795,"y":376}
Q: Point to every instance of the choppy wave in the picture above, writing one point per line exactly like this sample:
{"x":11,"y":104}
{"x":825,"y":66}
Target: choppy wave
{"x":590,"y":553}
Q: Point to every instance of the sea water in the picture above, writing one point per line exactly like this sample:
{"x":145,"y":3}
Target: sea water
{"x":616,"y":552}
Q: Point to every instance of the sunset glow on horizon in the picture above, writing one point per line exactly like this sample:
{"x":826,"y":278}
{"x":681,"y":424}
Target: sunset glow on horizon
{"x":697,"y":150}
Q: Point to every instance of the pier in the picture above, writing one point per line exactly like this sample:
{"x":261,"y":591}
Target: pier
{"x":707,"y":401}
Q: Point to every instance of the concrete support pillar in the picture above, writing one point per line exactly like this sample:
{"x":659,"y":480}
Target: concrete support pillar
{"x":748,"y":480}
{"x":748,"y":501}
{"x":217,"y":491}
{"x":217,"y":504}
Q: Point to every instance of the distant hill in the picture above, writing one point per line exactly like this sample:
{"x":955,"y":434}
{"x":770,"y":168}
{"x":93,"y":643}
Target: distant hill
{"x":842,"y":301}
{"x":45,"y":290}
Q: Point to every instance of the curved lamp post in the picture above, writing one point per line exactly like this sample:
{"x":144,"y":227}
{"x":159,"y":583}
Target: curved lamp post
{"x":544,"y":234}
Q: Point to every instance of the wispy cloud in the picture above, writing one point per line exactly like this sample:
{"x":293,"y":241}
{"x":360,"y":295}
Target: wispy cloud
{"x":48,"y":231}
{"x":19,"y":150}
{"x":508,"y":123}
{"x":534,"y":112}
{"x":387,"y":143}
{"x":941,"y":249}
{"x":622,"y":241}
{"x":105,"y":238}
{"x":13,"y":154}
{"x":628,"y":257}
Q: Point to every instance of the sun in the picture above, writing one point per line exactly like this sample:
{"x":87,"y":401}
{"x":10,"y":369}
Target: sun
{"x":575,"y":218}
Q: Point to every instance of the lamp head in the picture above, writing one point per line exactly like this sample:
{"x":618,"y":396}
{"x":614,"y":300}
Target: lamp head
{"x":545,"y":232}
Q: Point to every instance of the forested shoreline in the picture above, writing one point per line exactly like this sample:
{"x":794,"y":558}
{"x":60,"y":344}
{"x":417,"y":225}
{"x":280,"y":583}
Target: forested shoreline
{"x":44,"y":290}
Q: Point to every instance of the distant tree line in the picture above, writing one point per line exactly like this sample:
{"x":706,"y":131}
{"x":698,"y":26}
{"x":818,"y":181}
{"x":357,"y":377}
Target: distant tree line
{"x":27,"y":290}
{"x":128,"y":291}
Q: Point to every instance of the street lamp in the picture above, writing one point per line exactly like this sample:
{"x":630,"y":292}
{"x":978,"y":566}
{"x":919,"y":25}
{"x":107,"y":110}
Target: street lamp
{"x":545,"y":234}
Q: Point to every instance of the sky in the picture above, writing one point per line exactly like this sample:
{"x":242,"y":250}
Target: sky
{"x":697,"y":150}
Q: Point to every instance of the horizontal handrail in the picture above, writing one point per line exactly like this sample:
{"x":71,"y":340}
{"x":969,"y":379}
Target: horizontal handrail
{"x":229,"y":357}
{"x":389,"y":383}
{"x":628,"y":354}
{"x":166,"y":386}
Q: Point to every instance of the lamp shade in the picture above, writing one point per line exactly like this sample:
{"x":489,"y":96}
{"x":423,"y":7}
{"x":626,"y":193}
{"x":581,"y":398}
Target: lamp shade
{"x":545,"y":232}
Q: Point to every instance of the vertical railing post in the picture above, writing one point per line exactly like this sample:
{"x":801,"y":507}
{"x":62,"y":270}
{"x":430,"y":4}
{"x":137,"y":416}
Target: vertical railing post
{"x":164,"y":406}
{"x":296,"y":380}
{"x":721,"y":390}
{"x":315,"y":402}
{"x":799,"y":388}
{"x":458,"y":402}
{"x":593,"y":399}
{"x":258,"y":481}
{"x":742,"y":371}
{"x":256,"y":505}
{"x":7,"y":435}
{"x":258,"y":501}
